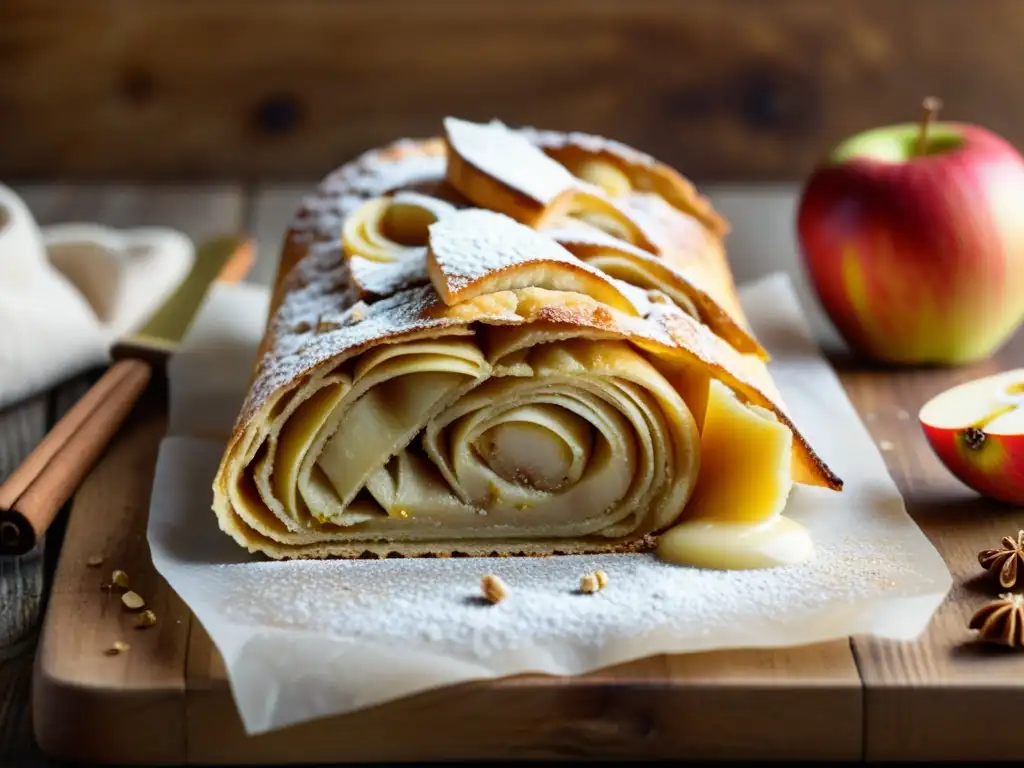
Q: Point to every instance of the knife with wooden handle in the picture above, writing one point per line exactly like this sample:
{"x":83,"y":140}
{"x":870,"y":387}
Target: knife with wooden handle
{"x":36,"y":491}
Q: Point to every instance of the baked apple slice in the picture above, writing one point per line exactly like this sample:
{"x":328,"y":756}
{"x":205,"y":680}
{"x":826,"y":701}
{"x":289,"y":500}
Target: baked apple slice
{"x":977,"y":430}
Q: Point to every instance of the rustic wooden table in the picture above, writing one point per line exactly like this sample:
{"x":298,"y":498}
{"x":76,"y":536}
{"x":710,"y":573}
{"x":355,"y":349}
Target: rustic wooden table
{"x":940,"y":696}
{"x":198,"y":211}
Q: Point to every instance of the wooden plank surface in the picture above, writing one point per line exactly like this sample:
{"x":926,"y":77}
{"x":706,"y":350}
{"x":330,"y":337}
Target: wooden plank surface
{"x":142,"y":724}
{"x":199,"y":212}
{"x":21,"y":578}
{"x":22,"y":583}
{"x":945,"y":697}
{"x":24,"y":580}
{"x":726,"y":705}
{"x":723,"y":89}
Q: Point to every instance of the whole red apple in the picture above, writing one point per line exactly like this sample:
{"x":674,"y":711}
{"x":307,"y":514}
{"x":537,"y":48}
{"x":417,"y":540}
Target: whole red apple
{"x":916,"y":248}
{"x":977,"y":430}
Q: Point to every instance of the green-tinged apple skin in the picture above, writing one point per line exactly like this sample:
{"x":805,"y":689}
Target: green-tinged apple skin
{"x":987,"y":458}
{"x":918,"y":259}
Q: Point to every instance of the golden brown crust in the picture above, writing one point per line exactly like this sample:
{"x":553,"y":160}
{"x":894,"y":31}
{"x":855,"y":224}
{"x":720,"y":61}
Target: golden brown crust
{"x":307,"y":240}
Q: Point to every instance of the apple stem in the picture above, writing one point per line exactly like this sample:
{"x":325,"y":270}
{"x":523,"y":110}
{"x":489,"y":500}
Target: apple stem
{"x":929,"y":109}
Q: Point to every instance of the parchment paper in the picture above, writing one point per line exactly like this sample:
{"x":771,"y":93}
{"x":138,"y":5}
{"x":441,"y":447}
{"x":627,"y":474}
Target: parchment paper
{"x":307,"y":639}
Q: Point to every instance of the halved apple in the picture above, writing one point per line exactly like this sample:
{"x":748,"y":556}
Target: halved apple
{"x":977,"y":430}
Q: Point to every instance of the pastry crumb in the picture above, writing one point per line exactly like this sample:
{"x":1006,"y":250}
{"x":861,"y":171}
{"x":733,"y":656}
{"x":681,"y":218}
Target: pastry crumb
{"x":589,"y":584}
{"x":145,"y":619}
{"x":494,"y":588}
{"x":902,"y":415}
{"x":886,"y":445}
{"x":119,"y":579}
{"x":95,"y":561}
{"x":117,"y":647}
{"x":602,"y":579}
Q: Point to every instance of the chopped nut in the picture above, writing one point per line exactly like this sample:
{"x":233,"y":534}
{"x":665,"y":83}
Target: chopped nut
{"x":589,"y":584}
{"x":95,"y":561}
{"x":145,"y":619}
{"x":1001,"y":621}
{"x":1008,"y":561}
{"x":116,"y":648}
{"x":602,"y":579}
{"x":119,"y":579}
{"x":494,"y":589}
{"x":132,"y":600}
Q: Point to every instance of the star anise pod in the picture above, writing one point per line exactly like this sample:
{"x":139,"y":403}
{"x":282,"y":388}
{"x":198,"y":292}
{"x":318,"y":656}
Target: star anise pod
{"x":1001,"y":621}
{"x":1009,"y":560}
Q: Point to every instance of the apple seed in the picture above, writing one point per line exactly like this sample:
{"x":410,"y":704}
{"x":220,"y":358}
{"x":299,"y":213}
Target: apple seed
{"x":973,"y":438}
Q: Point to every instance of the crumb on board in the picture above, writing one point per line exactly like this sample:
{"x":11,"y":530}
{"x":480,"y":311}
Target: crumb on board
{"x":132,"y":600}
{"x":117,"y":647}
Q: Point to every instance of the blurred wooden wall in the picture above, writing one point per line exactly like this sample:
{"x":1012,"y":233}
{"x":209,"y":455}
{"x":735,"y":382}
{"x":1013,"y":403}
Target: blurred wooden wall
{"x":724,"y":89}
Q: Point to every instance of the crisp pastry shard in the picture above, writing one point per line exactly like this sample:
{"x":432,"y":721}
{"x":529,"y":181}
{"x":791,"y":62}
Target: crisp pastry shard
{"x":681,"y":279}
{"x":460,"y":381}
{"x":621,"y":170}
{"x":500,"y":169}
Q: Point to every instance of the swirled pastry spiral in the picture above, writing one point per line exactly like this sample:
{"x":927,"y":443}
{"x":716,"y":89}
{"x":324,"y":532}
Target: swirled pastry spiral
{"x":499,"y":342}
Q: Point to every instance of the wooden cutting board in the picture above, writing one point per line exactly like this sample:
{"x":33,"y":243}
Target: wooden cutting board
{"x":167,"y":699}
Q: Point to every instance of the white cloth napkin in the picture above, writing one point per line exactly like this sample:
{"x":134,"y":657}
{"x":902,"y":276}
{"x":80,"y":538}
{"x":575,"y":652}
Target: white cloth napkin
{"x":67,"y":292}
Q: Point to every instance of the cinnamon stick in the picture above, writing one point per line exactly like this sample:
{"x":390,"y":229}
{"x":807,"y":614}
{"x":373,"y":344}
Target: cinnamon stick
{"x":34,"y":494}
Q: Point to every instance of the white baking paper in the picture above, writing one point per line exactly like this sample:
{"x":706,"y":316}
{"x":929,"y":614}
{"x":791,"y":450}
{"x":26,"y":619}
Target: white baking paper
{"x":308,"y":639}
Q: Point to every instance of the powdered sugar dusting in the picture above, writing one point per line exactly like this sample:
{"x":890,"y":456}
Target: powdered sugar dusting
{"x":588,"y":143}
{"x":473,"y":243}
{"x":372,"y":174}
{"x":637,"y":296}
{"x":666,"y":225}
{"x":509,"y":157}
{"x":382,"y":278}
{"x":432,"y":602}
{"x":581,"y":233}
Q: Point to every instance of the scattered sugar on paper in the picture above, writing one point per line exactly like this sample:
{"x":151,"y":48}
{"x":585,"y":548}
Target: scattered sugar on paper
{"x":435,"y":603}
